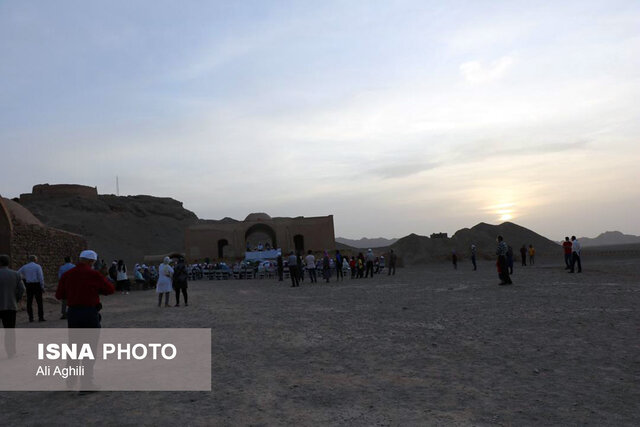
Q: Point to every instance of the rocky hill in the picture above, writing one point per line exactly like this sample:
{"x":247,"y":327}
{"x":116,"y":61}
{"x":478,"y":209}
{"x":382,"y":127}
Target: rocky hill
{"x":116,"y":227}
{"x":609,"y":238}
{"x":378,"y":242}
{"x":415,"y":249}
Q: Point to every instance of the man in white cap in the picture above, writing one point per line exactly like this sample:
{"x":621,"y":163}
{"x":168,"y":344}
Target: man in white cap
{"x":82,"y":287}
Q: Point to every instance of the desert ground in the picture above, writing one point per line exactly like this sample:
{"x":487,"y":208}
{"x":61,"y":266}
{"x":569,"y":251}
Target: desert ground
{"x":428,"y":346}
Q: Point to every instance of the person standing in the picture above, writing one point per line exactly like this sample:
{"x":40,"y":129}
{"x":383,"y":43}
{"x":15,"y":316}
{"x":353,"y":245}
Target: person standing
{"x":310,"y":262}
{"x":82,"y":287}
{"x":360,"y":265}
{"x":352,"y":266}
{"x":339,"y":274}
{"x":34,"y":279}
{"x":122,"y":279}
{"x":474,"y":251}
{"x":113,"y":273}
{"x":510,"y":259}
{"x":11,"y":291}
{"x":68,"y":265}
{"x":532,"y":254}
{"x":300,"y":269}
{"x":575,"y":255}
{"x":392,"y":262}
{"x":280,"y":265}
{"x":523,"y":255}
{"x":180,"y":282}
{"x":292,"y":262}
{"x":345,"y":265}
{"x":326,"y":267}
{"x":454,"y":259}
{"x":369,"y":263}
{"x":567,"y":249}
{"x":163,"y":287}
{"x":503,"y":270}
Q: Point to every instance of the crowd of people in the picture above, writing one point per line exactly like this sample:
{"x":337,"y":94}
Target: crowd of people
{"x":174,"y":275}
{"x":360,"y":266}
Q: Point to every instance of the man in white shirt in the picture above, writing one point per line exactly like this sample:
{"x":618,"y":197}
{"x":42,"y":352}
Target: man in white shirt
{"x":310,"y":262}
{"x":34,"y":279}
{"x":575,"y":256}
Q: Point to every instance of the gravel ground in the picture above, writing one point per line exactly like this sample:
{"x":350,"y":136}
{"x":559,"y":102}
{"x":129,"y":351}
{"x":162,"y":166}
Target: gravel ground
{"x":428,"y":346}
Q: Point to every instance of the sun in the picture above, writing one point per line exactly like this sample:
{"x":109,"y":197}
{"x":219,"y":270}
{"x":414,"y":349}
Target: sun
{"x":506,"y":217}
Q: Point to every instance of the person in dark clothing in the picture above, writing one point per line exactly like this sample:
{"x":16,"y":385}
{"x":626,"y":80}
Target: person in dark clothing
{"x":326,"y":267}
{"x":474,"y":252}
{"x":293,"y":270}
{"x":352,"y":266}
{"x":523,"y":254}
{"x":454,"y":259}
{"x":11,"y":290}
{"x":503,"y":268}
{"x":300,"y":269}
{"x":567,"y":248}
{"x":339,"y":266}
{"x":280,"y":268}
{"x":180,"y":282}
{"x":575,"y":255}
{"x":369,"y":264}
{"x":510,"y":259}
{"x":392,"y":262}
{"x":113,"y":273}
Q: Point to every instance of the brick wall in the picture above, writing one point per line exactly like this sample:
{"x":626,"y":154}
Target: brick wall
{"x":48,"y":244}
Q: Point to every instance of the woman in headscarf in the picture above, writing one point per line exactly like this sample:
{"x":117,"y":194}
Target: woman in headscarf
{"x":165,"y":274}
{"x":122,"y":279}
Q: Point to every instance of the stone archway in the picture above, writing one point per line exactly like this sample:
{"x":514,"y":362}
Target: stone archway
{"x":298,"y":242}
{"x":6,"y":229}
{"x":260,"y":233}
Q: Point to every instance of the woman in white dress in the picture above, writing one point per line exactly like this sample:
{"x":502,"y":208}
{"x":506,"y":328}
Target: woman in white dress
{"x":165,"y":273}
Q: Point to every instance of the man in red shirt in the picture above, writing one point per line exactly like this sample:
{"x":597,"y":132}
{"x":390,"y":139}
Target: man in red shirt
{"x":81,"y":287}
{"x":566,"y":246}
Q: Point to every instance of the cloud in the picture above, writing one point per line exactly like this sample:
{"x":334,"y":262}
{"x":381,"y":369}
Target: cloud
{"x":477,"y":72}
{"x":402,"y":169}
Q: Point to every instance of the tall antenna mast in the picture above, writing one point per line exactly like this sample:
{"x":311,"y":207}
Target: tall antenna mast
{"x":117,"y":186}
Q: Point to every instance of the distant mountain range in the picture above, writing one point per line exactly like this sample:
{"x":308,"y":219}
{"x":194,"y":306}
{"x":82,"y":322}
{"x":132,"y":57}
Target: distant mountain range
{"x":609,"y":238}
{"x":365,"y":243}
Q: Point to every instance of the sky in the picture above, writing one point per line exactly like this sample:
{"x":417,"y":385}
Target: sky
{"x":396,"y":117}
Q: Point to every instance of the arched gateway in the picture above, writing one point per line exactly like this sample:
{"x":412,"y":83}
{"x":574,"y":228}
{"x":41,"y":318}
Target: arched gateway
{"x":229,"y":239}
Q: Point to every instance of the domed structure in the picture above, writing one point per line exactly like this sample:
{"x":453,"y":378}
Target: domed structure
{"x":258,"y":216}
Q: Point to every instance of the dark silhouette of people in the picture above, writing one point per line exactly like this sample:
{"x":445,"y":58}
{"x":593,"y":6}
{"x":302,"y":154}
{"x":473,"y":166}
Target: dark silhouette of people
{"x":392,"y":262}
{"x":503,"y":268}
{"x":280,"y":268}
{"x":510,"y":259}
{"x":567,"y":249}
{"x":575,"y":258}
{"x":293,"y":270}
{"x":474,"y":252}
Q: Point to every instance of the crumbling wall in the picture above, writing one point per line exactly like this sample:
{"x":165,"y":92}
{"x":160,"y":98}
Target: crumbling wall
{"x":48,"y":244}
{"x":60,"y":190}
{"x":5,"y":229}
